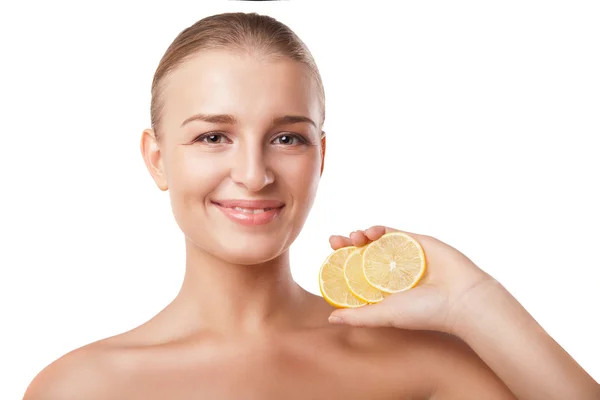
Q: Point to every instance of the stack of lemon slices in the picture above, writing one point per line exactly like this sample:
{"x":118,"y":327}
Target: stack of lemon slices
{"x":357,"y":276}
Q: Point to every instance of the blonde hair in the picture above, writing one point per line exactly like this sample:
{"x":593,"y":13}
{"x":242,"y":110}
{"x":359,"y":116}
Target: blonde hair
{"x":248,"y":33}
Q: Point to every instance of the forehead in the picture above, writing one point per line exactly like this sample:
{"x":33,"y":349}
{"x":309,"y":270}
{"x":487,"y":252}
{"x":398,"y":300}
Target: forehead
{"x":246,"y":86}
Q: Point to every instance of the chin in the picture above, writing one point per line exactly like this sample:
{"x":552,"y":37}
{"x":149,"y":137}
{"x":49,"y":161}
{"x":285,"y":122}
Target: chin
{"x":253,"y":251}
{"x":237,"y":243}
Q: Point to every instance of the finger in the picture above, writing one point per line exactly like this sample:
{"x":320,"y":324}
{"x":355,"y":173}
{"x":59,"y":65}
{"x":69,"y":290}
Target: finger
{"x":423,"y":307}
{"x":374,"y":315}
{"x":337,"y":242}
{"x":375,"y":232}
{"x":359,"y":238}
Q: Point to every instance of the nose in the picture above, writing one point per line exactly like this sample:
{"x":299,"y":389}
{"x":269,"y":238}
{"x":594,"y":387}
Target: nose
{"x":250,"y":167}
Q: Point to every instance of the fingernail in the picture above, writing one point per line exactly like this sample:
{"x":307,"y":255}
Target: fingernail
{"x":335,"y":320}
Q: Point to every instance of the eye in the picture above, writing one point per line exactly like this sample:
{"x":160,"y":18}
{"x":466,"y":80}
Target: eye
{"x":289,"y":139}
{"x":211,"y":138}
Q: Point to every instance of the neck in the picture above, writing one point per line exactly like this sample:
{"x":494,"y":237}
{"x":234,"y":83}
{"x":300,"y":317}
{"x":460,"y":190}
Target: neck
{"x":220,"y":296}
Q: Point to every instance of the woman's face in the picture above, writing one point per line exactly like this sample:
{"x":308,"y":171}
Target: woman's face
{"x":241,"y":153}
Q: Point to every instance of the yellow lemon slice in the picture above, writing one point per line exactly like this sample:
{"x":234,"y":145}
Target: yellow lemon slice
{"x":393,"y":263}
{"x":356,"y":281}
{"x":332,"y":283}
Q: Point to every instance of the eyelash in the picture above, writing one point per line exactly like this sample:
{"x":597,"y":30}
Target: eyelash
{"x":201,"y":138}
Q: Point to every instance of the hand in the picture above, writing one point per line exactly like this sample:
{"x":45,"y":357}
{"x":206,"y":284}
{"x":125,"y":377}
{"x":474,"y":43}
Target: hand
{"x":435,"y":303}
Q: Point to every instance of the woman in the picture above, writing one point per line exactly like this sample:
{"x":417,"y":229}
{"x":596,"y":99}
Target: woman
{"x":237,"y":114}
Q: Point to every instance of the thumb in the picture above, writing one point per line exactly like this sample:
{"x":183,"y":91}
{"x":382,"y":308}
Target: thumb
{"x":417,"y":308}
{"x":373,"y":315}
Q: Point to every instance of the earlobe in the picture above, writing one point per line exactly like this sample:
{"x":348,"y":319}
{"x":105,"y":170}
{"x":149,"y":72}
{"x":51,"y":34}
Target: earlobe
{"x":153,"y":158}
{"x":323,"y":147}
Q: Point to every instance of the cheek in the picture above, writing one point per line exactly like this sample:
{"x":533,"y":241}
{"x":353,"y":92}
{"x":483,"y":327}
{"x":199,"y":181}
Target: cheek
{"x":193,"y":176}
{"x":301,"y":175}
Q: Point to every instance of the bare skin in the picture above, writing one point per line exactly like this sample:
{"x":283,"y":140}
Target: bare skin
{"x":312,"y":359}
{"x":457,"y":297}
{"x":240,"y":326}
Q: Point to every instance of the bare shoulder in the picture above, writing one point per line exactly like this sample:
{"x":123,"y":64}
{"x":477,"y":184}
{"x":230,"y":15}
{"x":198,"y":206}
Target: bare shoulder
{"x":442,"y":365}
{"x":457,"y":371}
{"x":84,"y":373}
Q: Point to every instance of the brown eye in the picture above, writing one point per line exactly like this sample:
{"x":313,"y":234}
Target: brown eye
{"x":211,"y":138}
{"x":289,"y":140}
{"x":286,"y":139}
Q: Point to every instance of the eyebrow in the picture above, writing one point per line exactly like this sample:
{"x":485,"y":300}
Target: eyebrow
{"x":230,"y":119}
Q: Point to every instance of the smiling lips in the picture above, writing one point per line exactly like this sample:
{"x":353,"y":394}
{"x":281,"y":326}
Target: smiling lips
{"x":250,"y":212}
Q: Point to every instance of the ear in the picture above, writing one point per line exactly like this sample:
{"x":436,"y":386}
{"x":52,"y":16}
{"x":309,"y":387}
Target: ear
{"x":150,"y":149}
{"x":323,"y":147}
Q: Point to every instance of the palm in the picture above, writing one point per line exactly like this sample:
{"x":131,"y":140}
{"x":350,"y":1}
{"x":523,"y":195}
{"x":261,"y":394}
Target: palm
{"x":433,"y":303}
{"x":423,"y":307}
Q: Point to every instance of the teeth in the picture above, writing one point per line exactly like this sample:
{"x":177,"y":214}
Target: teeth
{"x":247,"y":210}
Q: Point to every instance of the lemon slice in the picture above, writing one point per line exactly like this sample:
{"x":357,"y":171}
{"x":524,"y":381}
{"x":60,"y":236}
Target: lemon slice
{"x":332,"y":283}
{"x":393,"y":263}
{"x":356,"y":281}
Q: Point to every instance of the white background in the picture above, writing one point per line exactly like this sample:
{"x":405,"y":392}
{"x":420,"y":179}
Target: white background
{"x":474,"y":122}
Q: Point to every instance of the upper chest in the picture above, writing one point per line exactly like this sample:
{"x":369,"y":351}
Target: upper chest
{"x":317,"y":369}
